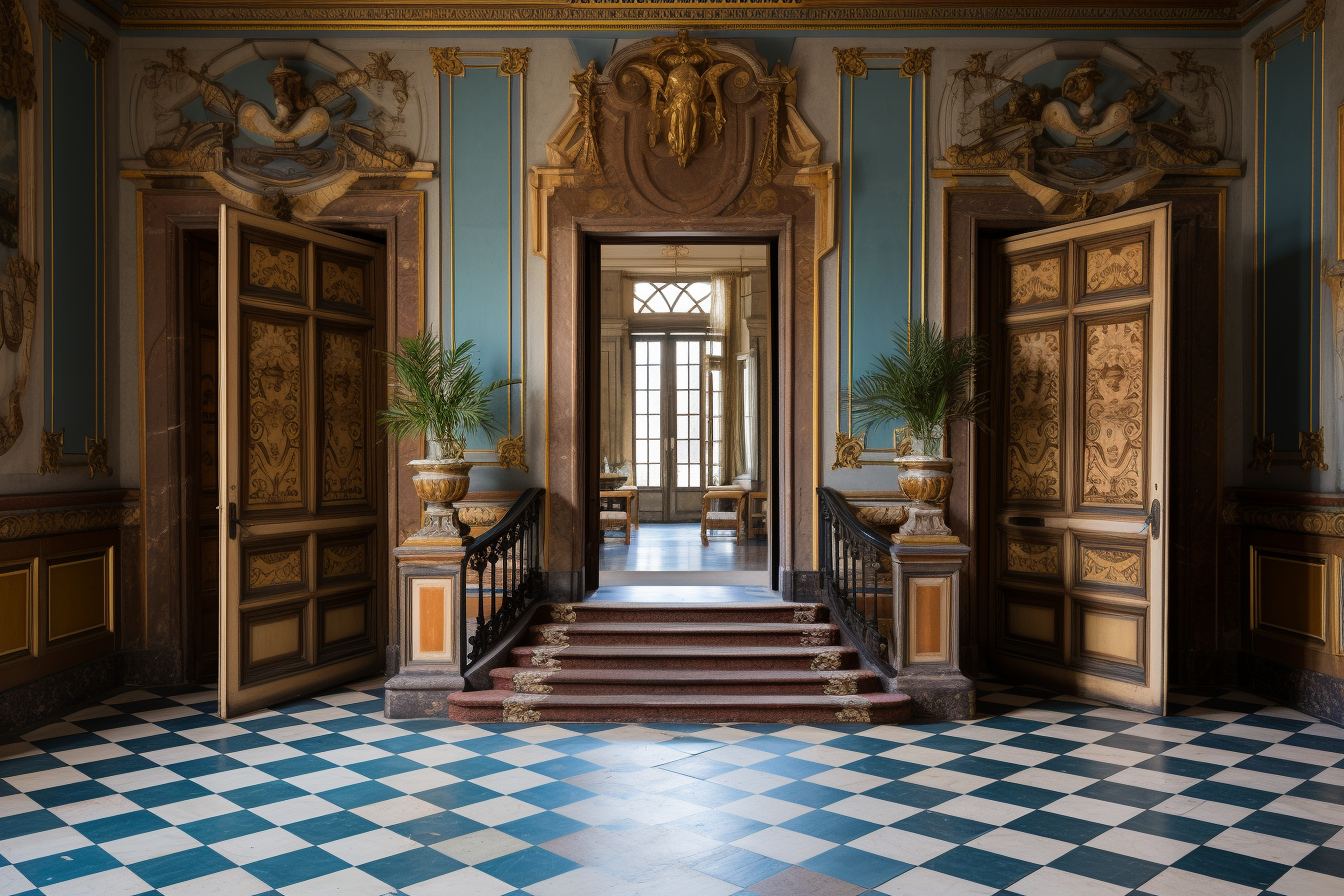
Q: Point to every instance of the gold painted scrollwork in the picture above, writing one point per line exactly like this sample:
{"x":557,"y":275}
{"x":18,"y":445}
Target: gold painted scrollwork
{"x":49,"y":14}
{"x":96,"y":449}
{"x":1263,"y":47}
{"x":340,"y":560}
{"x":1032,"y":282}
{"x":272,"y":568}
{"x":96,"y":50}
{"x":18,"y":309}
{"x":514,"y":61}
{"x":1115,"y":379}
{"x":847,"y":451}
{"x":1033,"y":557}
{"x":1115,"y":267}
{"x":271,"y":267}
{"x":445,"y":61}
{"x":1312,"y":446}
{"x":1313,"y":15}
{"x":343,"y":283}
{"x":917,"y":61}
{"x":1262,"y":453}
{"x":512,"y":453}
{"x":17,"y":73}
{"x":52,"y":449}
{"x":1112,"y":567}
{"x":1034,"y":361}
{"x":850,"y":62}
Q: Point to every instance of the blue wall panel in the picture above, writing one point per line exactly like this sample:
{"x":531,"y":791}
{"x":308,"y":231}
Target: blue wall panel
{"x":74,"y":318}
{"x":1288,"y":182}
{"x":481,"y":216}
{"x":883,"y":202}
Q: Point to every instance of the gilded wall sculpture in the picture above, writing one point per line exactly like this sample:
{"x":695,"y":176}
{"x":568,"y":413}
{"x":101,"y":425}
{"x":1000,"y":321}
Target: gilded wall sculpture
{"x":320,"y":126}
{"x":1087,"y":140}
{"x":18,"y":230}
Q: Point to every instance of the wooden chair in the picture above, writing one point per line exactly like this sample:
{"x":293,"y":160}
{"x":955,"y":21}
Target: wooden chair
{"x":756,"y":503}
{"x":735,"y":519}
{"x":633,"y":503}
{"x":613,"y":518}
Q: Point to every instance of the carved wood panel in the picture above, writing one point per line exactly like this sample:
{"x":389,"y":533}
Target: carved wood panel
{"x":1035,"y":282}
{"x":1115,"y":377}
{"x":275,"y":421}
{"x":346,"y":426}
{"x":1035,"y":366}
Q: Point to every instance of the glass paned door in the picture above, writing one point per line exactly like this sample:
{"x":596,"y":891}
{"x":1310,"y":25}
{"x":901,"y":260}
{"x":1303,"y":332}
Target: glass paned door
{"x":673,"y":418}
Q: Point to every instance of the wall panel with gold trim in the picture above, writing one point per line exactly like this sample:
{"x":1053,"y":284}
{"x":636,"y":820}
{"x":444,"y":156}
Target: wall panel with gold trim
{"x":481,"y":217}
{"x":883,"y":261}
{"x":1289,"y":194}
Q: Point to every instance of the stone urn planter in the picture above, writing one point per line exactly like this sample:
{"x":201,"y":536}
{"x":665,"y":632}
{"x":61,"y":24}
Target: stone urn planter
{"x":926,"y":480}
{"x":440,"y":484}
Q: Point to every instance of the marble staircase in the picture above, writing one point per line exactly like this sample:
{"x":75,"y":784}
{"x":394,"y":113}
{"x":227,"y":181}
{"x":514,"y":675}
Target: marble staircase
{"x":620,"y":661}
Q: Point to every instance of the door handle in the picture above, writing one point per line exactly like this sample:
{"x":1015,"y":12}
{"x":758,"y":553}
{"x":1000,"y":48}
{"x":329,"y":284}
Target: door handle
{"x":233,"y":521}
{"x":1152,"y":523}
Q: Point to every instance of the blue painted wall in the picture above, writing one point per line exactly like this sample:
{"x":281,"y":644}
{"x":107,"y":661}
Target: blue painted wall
{"x":74,"y":306}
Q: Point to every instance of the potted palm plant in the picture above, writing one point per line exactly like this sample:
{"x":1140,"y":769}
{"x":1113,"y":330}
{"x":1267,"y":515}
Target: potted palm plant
{"x":929,"y":382}
{"x":439,"y":393}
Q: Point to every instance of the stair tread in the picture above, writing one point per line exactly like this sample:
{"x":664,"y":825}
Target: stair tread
{"x":682,"y":675}
{"x":496,"y":697}
{"x":728,"y":650}
{"x":791,"y":628}
{"x":689,"y":608}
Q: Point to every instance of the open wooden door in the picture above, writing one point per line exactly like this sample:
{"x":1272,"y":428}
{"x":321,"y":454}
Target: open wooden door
{"x":1080,"y":431}
{"x":301,"y":560}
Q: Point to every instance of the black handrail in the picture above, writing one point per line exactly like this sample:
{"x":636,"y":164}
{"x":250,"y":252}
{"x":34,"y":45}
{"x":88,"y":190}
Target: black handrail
{"x":853,"y":563}
{"x":507,"y":562}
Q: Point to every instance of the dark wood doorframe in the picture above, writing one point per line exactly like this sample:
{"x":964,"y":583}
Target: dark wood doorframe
{"x":165,"y":218}
{"x":1198,"y":623}
{"x":589,"y":319}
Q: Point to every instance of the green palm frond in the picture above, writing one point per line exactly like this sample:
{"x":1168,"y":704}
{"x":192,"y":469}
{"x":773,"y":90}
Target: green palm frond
{"x":928,"y":382}
{"x":438,"y":391}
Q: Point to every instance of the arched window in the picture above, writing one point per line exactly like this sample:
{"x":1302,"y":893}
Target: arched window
{"x":662,"y":297}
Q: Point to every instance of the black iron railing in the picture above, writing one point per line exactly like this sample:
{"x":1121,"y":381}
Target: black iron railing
{"x":501,"y":576}
{"x":855,"y":566}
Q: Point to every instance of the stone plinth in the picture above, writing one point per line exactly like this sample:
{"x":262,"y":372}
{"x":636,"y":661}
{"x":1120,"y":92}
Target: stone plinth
{"x":426,"y":635}
{"x":926,"y":588}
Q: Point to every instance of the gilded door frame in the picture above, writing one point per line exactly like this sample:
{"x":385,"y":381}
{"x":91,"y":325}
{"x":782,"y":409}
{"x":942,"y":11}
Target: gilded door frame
{"x":162,"y":218}
{"x":1202,"y":619}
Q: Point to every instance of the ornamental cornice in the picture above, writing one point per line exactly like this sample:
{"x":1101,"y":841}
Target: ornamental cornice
{"x":17,"y":525}
{"x":1306,"y":519}
{"x":620,"y":14}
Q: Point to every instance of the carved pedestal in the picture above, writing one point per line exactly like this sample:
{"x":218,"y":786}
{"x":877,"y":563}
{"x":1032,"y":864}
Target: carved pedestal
{"x":926,"y":584}
{"x":423,"y":647}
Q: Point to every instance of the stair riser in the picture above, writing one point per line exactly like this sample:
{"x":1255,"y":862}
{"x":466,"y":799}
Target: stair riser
{"x":680,"y":616}
{"x":597,"y":689}
{"x":681,"y":639}
{"x":732,"y":663}
{"x":706,"y":715}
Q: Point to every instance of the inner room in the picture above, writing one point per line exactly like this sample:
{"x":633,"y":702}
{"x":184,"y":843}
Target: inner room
{"x":686,"y":398}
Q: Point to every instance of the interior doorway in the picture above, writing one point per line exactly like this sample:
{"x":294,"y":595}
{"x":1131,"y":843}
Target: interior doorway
{"x":684,"y":403}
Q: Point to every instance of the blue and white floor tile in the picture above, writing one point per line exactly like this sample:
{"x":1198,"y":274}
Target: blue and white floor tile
{"x":1043,"y":795}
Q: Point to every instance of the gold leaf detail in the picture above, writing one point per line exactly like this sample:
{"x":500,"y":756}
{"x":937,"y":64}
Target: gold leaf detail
{"x":847,"y":451}
{"x":826,"y":662}
{"x":1262,"y":452}
{"x":512,"y":453}
{"x":445,"y":61}
{"x":1312,"y":446}
{"x":53,"y":449}
{"x":917,"y":61}
{"x":1033,"y":416}
{"x":850,"y":62}
{"x":96,"y":449}
{"x":514,"y":61}
{"x":1113,"y":413}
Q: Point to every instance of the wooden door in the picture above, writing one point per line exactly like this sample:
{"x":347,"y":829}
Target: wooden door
{"x":1080,"y":425}
{"x":302,"y":572}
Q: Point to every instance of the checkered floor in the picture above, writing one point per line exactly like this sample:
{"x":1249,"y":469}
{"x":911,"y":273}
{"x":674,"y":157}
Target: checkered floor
{"x":1043,"y":795}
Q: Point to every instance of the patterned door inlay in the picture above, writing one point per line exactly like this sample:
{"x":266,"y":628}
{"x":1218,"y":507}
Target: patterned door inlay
{"x":343,"y":283}
{"x":1033,"y":416}
{"x":342,"y":560}
{"x":1115,"y":267}
{"x":1112,"y":567}
{"x":1113,"y":413}
{"x":274,"y":414}
{"x":343,"y":417}
{"x":1034,"y":282}
{"x":271,"y":267}
{"x":271,"y":568}
{"x":1033,"y":557}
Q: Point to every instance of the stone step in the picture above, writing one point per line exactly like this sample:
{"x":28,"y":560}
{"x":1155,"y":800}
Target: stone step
{"x":640,"y":611}
{"x":596,"y":682}
{"x":726,"y":634}
{"x":817,"y":659}
{"x":507,"y":706}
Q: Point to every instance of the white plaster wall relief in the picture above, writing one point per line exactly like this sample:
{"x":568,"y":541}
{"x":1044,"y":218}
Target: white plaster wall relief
{"x":285,"y":138}
{"x":1085,"y":126}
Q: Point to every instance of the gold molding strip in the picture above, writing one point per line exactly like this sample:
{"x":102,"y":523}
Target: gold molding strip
{"x":544,"y":15}
{"x":29,"y":524}
{"x":1302,"y":518}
